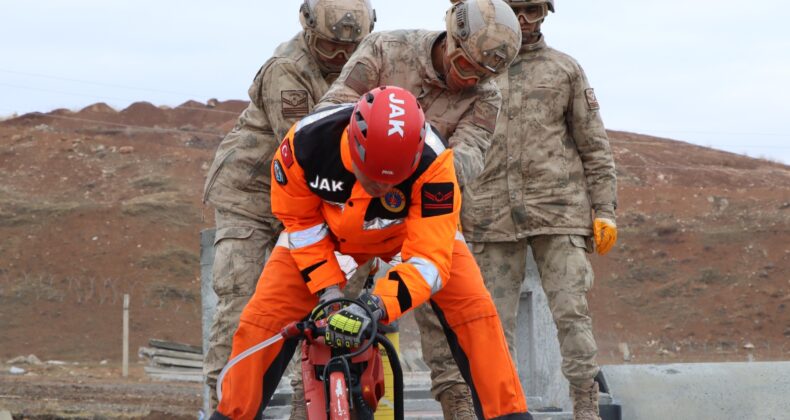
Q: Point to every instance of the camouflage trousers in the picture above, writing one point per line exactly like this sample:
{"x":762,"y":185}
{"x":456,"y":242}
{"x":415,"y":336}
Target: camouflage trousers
{"x":435,"y":349}
{"x":436,"y":352}
{"x":241,"y":246}
{"x":566,"y":276}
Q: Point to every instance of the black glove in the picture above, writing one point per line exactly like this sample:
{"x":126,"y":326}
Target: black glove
{"x":346,"y":327}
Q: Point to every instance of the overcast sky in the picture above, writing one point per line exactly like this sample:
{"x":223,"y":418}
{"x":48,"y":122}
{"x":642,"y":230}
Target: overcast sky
{"x":709,"y":72}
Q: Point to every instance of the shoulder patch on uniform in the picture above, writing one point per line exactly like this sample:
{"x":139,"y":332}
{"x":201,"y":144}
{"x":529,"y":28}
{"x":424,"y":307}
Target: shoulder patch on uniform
{"x":592,"y":101}
{"x":437,"y":199}
{"x":279,"y":174}
{"x":394,"y":200}
{"x":294,"y":103}
{"x":286,"y":154}
{"x":485,"y":116}
{"x":357,"y":78}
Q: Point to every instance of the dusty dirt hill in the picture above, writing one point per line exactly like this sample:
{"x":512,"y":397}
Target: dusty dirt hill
{"x":98,"y":203}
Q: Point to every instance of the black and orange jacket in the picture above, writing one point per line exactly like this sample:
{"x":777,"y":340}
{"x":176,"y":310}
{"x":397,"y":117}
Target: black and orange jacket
{"x":324,"y":209}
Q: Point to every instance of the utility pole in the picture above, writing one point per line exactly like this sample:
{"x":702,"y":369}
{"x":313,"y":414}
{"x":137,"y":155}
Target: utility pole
{"x":125,"y":365}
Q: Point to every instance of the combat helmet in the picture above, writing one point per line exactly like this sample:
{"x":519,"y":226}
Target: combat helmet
{"x":521,"y":3}
{"x":334,"y":28}
{"x":531,"y":11}
{"x":486,"y":32}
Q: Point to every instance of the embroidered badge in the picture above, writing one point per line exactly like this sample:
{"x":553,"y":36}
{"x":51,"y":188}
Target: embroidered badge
{"x":394,"y":200}
{"x":358,"y":80}
{"x":592,"y":101}
{"x":294,"y":103}
{"x":279,"y":174}
{"x":485,"y":116}
{"x":285,"y":153}
{"x":437,"y":199}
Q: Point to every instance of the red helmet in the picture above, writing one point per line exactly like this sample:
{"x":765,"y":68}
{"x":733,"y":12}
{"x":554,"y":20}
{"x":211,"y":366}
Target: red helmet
{"x":387,"y":134}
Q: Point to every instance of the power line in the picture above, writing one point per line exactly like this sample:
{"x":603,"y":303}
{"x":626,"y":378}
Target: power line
{"x":658,"y":143}
{"x":108,"y":97}
{"x":717,"y":133}
{"x":46,"y":76}
{"x":173,"y":130}
{"x":646,"y":142}
{"x":690,"y":168}
{"x":137,"y":127}
{"x":62,"y":92}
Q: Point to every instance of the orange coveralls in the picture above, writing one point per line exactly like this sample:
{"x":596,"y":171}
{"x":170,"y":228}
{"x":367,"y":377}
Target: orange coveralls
{"x":324,"y":209}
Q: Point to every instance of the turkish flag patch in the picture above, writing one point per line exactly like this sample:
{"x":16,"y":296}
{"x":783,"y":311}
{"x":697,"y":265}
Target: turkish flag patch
{"x":286,"y":154}
{"x":437,"y":199}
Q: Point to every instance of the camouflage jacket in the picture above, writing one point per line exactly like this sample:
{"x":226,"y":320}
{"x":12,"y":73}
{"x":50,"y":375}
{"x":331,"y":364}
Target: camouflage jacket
{"x":285,"y":89}
{"x":403,"y":58}
{"x":549,"y":161}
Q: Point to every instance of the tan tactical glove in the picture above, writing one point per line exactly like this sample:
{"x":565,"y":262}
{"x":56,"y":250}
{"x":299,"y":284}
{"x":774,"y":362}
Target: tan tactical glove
{"x":605,"y":233}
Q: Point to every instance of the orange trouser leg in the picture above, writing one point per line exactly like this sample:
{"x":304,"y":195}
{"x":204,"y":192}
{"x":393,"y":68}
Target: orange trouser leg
{"x":281,"y":297}
{"x":475,"y":334}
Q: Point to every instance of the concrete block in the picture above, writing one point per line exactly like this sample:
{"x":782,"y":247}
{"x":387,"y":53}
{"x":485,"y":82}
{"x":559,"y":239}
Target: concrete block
{"x":537,"y":348}
{"x":756,"y":391}
{"x":208,"y":297}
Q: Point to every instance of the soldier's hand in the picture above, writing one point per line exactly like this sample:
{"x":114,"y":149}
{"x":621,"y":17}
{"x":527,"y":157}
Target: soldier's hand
{"x":605,"y":233}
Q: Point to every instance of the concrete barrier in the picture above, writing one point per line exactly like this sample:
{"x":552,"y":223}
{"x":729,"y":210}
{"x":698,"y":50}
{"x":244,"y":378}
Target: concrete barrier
{"x":208,"y":297}
{"x":744,"y":391}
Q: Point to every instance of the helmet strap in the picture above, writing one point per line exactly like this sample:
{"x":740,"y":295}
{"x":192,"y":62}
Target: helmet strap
{"x":438,"y":54}
{"x":308,"y":14}
{"x":534,"y":36}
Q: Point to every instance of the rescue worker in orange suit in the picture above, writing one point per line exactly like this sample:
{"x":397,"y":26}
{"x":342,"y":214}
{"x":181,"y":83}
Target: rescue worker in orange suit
{"x":371,"y":179}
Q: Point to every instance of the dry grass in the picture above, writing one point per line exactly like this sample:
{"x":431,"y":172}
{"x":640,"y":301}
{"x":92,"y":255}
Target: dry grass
{"x":175,"y":261}
{"x":162,"y":207}
{"x":712,"y":277}
{"x":47,"y":287}
{"x":170,"y":292}
{"x":154,"y":184}
{"x":16,"y":211}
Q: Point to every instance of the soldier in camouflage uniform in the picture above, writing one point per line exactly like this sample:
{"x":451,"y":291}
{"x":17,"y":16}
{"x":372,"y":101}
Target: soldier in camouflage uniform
{"x":549,"y":168}
{"x":238,"y":185}
{"x":450,"y":74}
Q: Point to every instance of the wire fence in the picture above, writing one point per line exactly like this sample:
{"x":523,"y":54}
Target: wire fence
{"x":784,"y":147}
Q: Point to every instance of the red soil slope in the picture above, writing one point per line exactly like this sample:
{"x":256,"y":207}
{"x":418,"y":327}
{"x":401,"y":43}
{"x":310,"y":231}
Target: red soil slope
{"x":98,"y":203}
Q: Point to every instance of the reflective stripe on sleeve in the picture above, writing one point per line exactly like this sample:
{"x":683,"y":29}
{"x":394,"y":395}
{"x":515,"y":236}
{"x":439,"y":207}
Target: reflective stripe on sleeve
{"x":460,"y":236}
{"x":307,"y":237}
{"x":325,"y":112}
{"x":282,"y":240}
{"x":432,"y":141}
{"x":428,"y":271}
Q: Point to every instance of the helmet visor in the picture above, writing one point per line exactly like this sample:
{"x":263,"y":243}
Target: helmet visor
{"x":532,"y":12}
